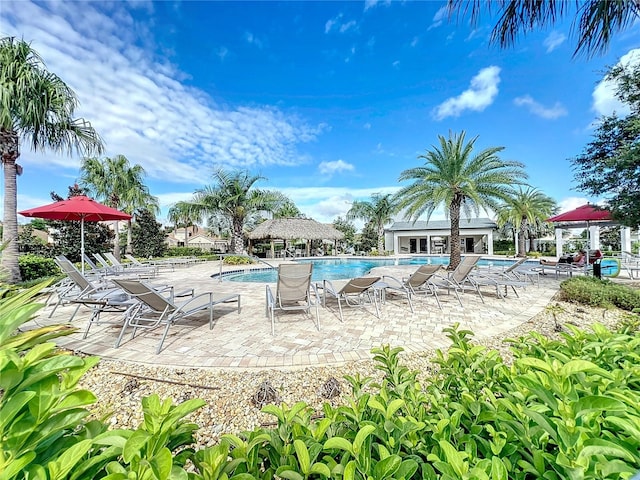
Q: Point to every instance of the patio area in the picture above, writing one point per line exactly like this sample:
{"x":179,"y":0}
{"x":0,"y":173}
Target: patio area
{"x":244,"y":340}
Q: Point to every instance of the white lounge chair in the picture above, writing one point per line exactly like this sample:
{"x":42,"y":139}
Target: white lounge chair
{"x":418,"y":283}
{"x":459,"y":280}
{"x":355,"y":293}
{"x":293,"y":292}
{"x":153,"y":309}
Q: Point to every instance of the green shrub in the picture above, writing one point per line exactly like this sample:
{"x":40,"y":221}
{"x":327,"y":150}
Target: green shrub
{"x":33,"y":267}
{"x":600,"y":293}
{"x":44,"y":425}
{"x":237,"y":260}
{"x":185,"y":252}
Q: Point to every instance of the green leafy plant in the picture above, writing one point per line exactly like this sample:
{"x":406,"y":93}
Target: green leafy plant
{"x":33,"y":267}
{"x":599,"y":293}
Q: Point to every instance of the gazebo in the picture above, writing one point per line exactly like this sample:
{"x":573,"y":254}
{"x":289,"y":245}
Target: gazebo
{"x":291,"y":229}
{"x":592,"y":218}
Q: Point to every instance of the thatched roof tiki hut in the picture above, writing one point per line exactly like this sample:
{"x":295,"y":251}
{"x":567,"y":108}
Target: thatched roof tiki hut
{"x":292,"y":229}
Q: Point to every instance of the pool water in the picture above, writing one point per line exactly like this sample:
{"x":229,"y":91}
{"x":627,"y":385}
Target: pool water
{"x":342,"y":268}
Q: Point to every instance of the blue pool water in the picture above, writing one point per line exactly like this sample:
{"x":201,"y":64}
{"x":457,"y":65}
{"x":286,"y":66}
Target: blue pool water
{"x":341,"y":268}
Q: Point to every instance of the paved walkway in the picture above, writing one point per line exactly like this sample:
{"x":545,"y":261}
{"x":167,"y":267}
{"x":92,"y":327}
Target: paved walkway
{"x":245,"y":340}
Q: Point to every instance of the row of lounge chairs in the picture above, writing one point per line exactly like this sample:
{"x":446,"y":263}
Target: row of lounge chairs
{"x":295,"y":290}
{"x":143,"y":306}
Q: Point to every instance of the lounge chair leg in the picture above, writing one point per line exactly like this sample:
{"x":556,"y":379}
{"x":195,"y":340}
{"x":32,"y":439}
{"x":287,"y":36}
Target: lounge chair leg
{"x":164,"y":336}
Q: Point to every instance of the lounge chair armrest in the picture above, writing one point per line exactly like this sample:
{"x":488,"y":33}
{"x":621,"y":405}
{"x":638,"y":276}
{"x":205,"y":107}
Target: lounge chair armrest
{"x":193,"y":299}
{"x":392,"y":281}
{"x":327,"y":286}
{"x":271,"y":300}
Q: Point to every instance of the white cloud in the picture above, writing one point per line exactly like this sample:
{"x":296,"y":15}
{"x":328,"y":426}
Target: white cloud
{"x":367,"y":126}
{"x":439,"y":17}
{"x":336,"y":24}
{"x":538,"y":109}
{"x":374,"y":3}
{"x":481,"y":93}
{"x":554,"y":40}
{"x":604,"y":99}
{"x":396,"y":64}
{"x":222,"y":52}
{"x":347,"y":26}
{"x":137,"y":103}
{"x":324,"y":204}
{"x":329,"y":168}
{"x":253,"y":40}
{"x":414,"y":41}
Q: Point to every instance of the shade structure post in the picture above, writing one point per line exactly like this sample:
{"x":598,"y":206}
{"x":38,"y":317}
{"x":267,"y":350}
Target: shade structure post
{"x":82,"y":244}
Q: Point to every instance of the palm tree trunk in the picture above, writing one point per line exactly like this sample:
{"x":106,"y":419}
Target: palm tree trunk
{"x":237,"y":237}
{"x":454,"y":214}
{"x":116,"y":240}
{"x":129,"y":250}
{"x":9,"y":148}
{"x":522,"y":237}
{"x":380,"y":239}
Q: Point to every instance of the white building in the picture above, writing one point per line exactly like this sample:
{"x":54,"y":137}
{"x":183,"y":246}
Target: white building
{"x":434,"y":237}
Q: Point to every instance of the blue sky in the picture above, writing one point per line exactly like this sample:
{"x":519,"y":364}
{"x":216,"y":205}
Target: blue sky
{"x":329,"y":101}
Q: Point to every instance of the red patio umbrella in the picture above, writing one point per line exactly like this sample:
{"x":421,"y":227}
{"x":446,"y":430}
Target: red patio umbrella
{"x":80,"y":208}
{"x":585,"y":215}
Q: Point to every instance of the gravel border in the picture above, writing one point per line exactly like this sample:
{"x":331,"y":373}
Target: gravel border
{"x":228,"y":393}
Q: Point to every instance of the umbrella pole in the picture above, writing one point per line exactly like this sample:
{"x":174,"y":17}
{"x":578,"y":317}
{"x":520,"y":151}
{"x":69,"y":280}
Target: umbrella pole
{"x":82,"y":244}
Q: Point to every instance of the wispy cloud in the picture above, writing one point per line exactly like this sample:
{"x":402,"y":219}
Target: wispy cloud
{"x":374,"y":3}
{"x":337,"y":166}
{"x":540,"y":110}
{"x":439,"y":17}
{"x":252,"y":39}
{"x":414,"y":41}
{"x":554,"y":40}
{"x":326,"y":203}
{"x":137,"y":102}
{"x":222,"y":52}
{"x":337,"y":24}
{"x":604,"y":98}
{"x":481,"y":93}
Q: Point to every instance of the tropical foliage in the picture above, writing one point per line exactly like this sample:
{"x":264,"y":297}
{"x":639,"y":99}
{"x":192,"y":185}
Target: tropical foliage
{"x":36,"y":109}
{"x":563,"y":409}
{"x":114,"y":181}
{"x":460,"y":180}
{"x":610,"y":164}
{"x":595,"y":22}
{"x":524,"y":210}
{"x":379,"y":211}
{"x":148,"y":235}
{"x":181,"y":214}
{"x":234,"y":197}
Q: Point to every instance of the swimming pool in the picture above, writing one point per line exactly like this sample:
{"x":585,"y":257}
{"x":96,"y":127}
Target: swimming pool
{"x":341,"y":268}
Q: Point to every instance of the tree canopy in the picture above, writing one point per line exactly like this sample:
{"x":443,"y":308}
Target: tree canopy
{"x":36,"y":109}
{"x":595,"y":21}
{"x":609,"y":166}
{"x":457,"y":178}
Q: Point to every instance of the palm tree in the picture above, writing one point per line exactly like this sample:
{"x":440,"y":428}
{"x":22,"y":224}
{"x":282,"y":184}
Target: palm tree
{"x":234,"y":196}
{"x":36,"y":106}
{"x":288,"y":210}
{"x":379,"y":211}
{"x":452,"y":176}
{"x":523,"y":210}
{"x":596,"y":21}
{"x":181,"y":213}
{"x":114,"y":181}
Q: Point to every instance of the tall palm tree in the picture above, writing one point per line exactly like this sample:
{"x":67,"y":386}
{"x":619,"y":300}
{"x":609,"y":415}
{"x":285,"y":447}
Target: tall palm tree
{"x":181,"y":213}
{"x":459,"y":180}
{"x":116,"y":182}
{"x":37,"y":107}
{"x":234,"y":196}
{"x":523,"y":210}
{"x":596,"y":21}
{"x":379,"y":211}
